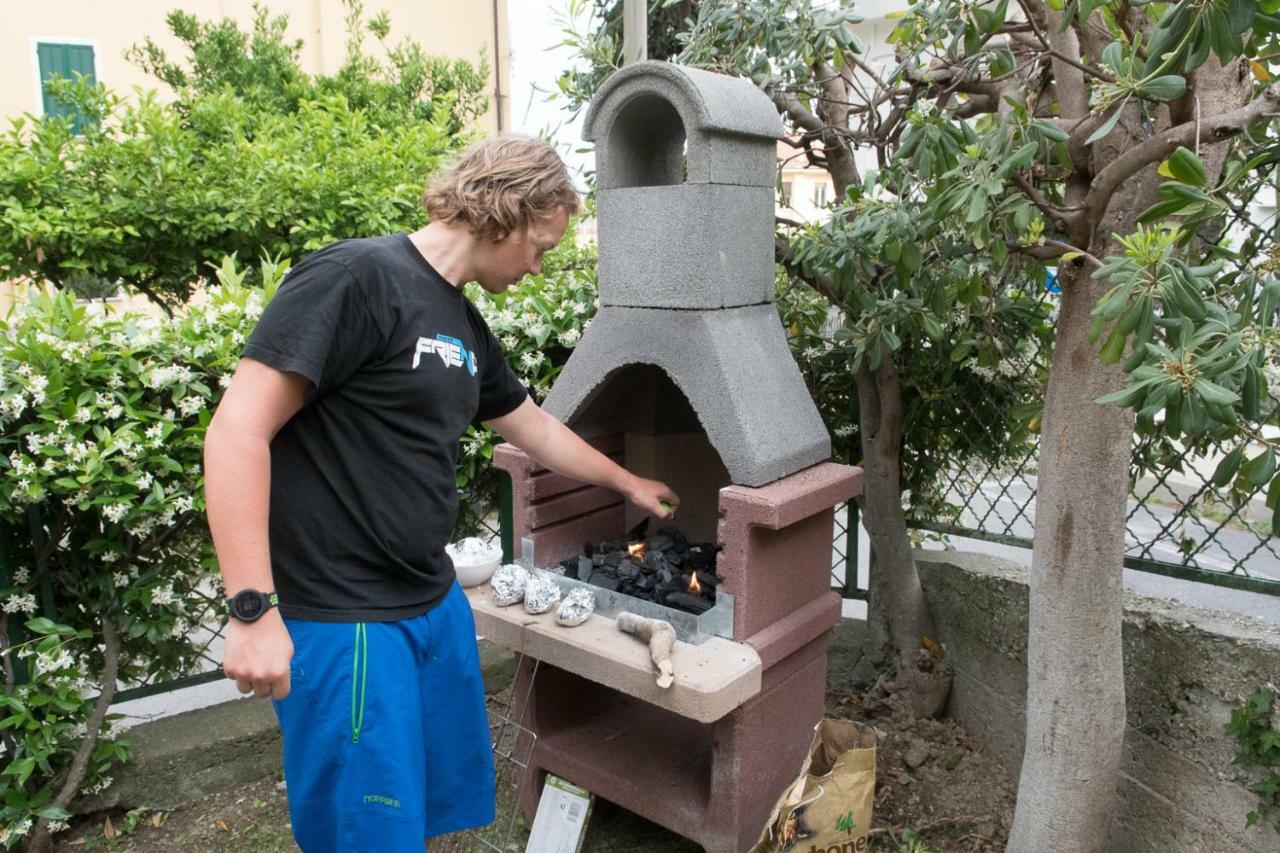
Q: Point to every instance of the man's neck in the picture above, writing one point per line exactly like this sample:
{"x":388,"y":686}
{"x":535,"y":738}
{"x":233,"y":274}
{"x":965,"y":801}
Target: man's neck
{"x":450,"y":249}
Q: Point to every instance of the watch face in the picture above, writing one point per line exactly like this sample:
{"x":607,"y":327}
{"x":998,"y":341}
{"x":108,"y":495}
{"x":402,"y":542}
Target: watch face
{"x":248,"y":605}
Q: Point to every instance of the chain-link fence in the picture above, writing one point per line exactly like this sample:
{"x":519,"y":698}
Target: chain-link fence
{"x":1177,"y":522}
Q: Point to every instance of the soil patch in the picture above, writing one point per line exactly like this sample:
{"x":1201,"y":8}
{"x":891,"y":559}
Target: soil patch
{"x":933,"y":782}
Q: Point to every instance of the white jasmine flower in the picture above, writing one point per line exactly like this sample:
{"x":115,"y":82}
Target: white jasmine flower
{"x":569,"y":337}
{"x":20,"y":603}
{"x":162,"y":595}
{"x":115,"y":512}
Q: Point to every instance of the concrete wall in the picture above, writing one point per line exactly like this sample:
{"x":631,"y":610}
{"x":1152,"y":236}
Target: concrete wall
{"x":1185,"y":669}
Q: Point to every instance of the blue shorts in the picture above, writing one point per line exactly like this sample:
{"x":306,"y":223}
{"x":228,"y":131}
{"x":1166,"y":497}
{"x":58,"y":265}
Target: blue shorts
{"x":386,"y":735}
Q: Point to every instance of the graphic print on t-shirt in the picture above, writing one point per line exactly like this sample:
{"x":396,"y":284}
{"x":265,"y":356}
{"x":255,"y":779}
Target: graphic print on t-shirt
{"x":451,"y":351}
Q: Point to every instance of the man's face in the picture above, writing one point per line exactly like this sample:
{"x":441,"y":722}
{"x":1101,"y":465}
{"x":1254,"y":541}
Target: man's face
{"x":520,"y":253}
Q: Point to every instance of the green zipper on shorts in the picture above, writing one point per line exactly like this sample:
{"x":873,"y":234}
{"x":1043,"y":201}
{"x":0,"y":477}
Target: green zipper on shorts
{"x":359,"y":673}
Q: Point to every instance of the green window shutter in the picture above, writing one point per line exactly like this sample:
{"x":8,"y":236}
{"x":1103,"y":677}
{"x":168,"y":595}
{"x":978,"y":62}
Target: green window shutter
{"x":63,"y":60}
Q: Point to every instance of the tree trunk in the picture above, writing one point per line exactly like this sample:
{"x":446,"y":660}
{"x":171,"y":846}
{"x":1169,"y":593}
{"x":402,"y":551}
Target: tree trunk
{"x":41,"y":840}
{"x":897,"y":612}
{"x":894,"y":582}
{"x":1075,"y":664}
{"x":1075,"y":670}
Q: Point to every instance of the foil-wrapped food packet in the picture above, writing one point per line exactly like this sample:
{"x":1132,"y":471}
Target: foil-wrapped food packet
{"x":576,"y":608}
{"x":540,"y":595}
{"x":508,"y":585}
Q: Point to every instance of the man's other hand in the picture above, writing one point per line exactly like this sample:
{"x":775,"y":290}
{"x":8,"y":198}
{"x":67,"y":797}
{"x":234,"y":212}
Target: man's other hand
{"x":257,"y":655}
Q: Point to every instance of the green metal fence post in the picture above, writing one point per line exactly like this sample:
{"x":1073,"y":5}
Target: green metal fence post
{"x":17,"y":636}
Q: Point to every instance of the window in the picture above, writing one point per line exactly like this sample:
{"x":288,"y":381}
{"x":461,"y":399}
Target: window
{"x":63,"y":60}
{"x":820,"y":195}
{"x":786,"y":193}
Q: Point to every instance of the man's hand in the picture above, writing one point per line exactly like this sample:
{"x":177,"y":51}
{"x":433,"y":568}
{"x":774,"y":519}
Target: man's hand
{"x":653,"y":497}
{"x":257,"y":655}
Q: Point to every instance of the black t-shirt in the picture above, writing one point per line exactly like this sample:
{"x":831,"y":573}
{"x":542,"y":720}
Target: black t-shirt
{"x":363,"y":487}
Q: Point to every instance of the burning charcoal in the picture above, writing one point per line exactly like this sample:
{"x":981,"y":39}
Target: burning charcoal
{"x":603,"y":581}
{"x":576,"y":608}
{"x":702,"y":558}
{"x":598,"y":559}
{"x":659,"y":542}
{"x":689,"y":603}
{"x":628,"y":570}
{"x":644,"y":584}
{"x":509,"y":584}
{"x":708,"y":579}
{"x":540,"y":595}
{"x":654,"y":562}
{"x":613,"y":558}
{"x":678,"y":542}
{"x":667,"y":576}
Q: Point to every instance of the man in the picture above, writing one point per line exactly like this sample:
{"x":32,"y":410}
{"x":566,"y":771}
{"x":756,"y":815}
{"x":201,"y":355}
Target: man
{"x":329,"y":471}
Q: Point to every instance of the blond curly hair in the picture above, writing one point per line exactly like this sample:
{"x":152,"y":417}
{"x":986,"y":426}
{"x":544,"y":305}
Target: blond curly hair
{"x":501,"y":185}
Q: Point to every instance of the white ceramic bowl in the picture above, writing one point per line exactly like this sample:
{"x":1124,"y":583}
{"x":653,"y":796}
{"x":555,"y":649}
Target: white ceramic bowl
{"x":472,"y":570}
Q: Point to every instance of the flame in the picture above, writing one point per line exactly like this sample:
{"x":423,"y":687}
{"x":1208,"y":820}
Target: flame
{"x":637,"y":550}
{"x":694,"y":586}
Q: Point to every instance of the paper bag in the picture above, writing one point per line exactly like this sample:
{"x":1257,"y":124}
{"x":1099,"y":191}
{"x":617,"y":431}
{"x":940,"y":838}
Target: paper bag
{"x":828,"y":807}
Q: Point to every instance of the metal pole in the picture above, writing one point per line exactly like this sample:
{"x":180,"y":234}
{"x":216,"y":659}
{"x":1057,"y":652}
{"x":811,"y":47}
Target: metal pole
{"x":635,"y":31}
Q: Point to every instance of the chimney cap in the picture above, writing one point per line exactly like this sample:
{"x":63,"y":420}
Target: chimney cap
{"x":707,"y":102}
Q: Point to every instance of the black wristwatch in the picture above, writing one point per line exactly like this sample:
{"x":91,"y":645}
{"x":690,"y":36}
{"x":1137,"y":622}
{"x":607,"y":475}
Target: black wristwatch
{"x":248,"y":605}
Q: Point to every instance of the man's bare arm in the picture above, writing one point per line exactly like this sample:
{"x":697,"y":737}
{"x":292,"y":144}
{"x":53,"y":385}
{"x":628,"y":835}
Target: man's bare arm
{"x":237,"y":465}
{"x":553,"y":445}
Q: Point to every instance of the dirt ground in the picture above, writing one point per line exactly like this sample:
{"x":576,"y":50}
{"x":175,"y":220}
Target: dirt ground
{"x":932,"y":782}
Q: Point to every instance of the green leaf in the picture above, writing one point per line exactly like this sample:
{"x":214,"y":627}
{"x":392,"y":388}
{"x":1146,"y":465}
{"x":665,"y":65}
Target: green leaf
{"x":42,"y":625}
{"x":1168,"y":87}
{"x":1273,"y":493}
{"x":1113,"y":349}
{"x":1186,"y":167}
{"x":1050,"y":131}
{"x":1020,"y":158}
{"x":1160,"y":210}
{"x":1228,"y":466}
{"x":1107,"y":126}
{"x":1213,"y":393}
{"x":1261,"y":468}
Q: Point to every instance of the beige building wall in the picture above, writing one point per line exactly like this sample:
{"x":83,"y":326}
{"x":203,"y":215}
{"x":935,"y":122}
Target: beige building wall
{"x":458,"y":29}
